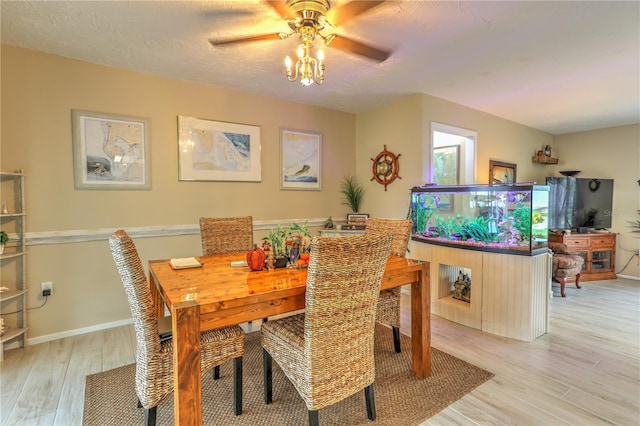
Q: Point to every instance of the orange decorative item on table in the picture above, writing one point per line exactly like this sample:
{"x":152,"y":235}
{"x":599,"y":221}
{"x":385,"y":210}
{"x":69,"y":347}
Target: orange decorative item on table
{"x":256,"y":258}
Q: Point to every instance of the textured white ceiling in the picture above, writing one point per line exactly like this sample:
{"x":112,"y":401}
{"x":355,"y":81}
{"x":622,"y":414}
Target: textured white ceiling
{"x":560,"y":67}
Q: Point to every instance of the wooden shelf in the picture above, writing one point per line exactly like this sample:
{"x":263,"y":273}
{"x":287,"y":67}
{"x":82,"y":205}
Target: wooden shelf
{"x":11,"y":294}
{"x":12,"y":333}
{"x":11,"y":254}
{"x":544,"y":160}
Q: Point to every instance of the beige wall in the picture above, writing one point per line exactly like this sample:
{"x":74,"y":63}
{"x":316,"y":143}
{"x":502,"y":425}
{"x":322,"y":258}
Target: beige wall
{"x":405,"y":126}
{"x":39,"y":91}
{"x":612,"y":153}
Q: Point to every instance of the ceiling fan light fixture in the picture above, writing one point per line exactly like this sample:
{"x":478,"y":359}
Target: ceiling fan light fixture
{"x":308,"y":19}
{"x":309,"y":69}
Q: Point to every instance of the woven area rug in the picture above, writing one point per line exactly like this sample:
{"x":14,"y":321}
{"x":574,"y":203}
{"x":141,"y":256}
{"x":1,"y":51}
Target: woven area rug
{"x":400,"y":398}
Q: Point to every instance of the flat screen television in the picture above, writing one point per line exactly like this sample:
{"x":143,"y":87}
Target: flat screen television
{"x":580,"y":203}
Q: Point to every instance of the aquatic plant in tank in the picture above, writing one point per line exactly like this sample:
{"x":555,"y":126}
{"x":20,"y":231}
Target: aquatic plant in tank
{"x":426,"y":207}
{"x":510,"y":218}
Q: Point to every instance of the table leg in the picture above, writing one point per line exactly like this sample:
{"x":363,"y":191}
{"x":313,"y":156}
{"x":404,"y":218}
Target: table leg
{"x":158,"y":303}
{"x":187,"y":402}
{"x":421,"y":324}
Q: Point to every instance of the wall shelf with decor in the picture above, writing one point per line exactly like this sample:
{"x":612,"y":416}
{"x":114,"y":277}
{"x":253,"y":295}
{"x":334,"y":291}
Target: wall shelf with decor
{"x":13,"y":299}
{"x":541,"y":159}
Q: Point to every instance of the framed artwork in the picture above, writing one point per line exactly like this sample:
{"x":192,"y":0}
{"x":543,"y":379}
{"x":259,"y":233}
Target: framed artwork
{"x":300,"y":160}
{"x":502,"y":173}
{"x":218,"y":151}
{"x":110,"y":151}
{"x":446,"y":165}
{"x":445,"y":202}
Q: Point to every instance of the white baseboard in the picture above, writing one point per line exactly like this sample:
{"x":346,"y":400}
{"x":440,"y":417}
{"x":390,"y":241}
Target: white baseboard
{"x":629,"y":277}
{"x":77,"y":331}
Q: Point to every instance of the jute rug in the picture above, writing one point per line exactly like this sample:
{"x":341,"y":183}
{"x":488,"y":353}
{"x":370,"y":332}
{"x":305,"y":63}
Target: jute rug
{"x":400,"y":398}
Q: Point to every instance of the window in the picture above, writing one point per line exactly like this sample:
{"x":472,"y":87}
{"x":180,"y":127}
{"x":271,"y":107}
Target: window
{"x":451,"y":159}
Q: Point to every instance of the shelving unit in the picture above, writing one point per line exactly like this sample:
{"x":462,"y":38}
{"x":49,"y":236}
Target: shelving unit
{"x":13,"y":302}
{"x":542,"y":159}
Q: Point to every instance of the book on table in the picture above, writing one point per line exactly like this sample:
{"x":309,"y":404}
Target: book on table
{"x":185,"y":263}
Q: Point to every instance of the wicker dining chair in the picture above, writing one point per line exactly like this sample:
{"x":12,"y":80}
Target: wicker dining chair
{"x":154,"y":358}
{"x":226,"y":234}
{"x":388,"y":310}
{"x":327,"y":352}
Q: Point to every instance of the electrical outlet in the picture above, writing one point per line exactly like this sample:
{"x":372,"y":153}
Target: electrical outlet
{"x":46,"y":288}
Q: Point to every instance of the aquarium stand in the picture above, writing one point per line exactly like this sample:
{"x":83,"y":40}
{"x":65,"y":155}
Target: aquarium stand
{"x":509,"y":294}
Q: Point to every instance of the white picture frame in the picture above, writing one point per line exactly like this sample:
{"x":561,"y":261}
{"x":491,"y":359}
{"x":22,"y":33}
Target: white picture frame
{"x":211,"y":150}
{"x":110,"y":151}
{"x":300,"y":160}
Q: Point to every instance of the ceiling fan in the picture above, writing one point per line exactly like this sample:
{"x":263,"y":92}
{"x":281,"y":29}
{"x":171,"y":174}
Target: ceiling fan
{"x":313,"y":18}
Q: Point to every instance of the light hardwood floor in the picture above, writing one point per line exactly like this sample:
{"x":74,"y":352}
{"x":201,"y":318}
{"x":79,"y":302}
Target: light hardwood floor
{"x":585,"y":371}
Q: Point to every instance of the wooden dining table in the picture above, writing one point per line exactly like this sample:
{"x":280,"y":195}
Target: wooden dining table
{"x":217,"y":295}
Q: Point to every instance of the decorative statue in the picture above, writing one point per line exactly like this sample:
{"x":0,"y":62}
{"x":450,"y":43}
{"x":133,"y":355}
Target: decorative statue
{"x":462,"y":287}
{"x":329,"y":223}
{"x":270,"y":263}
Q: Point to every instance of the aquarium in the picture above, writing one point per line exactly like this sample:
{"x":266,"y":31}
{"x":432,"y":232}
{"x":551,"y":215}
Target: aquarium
{"x":509,"y":219}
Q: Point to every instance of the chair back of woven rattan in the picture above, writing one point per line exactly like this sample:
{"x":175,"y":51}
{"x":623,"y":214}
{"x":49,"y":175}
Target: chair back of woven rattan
{"x":154,"y":360}
{"x":343,"y":284}
{"x":125,"y":255}
{"x":226,"y":234}
{"x":400,"y":229}
{"x":389,"y":304}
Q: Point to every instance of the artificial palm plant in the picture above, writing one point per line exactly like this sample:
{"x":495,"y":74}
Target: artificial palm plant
{"x":353,"y":193}
{"x":635,"y":225}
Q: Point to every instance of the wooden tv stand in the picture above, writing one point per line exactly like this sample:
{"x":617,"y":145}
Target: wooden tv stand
{"x":597,"y":249}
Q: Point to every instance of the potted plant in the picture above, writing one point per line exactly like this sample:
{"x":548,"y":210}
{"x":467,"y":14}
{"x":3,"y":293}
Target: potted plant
{"x":274,"y":245}
{"x":635,"y":225}
{"x":302,"y":235}
{"x":284,"y":245}
{"x":4,"y":239}
{"x":353,"y":193}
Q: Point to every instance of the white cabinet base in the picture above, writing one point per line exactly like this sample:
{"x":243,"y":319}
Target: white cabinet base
{"x":509,"y":293}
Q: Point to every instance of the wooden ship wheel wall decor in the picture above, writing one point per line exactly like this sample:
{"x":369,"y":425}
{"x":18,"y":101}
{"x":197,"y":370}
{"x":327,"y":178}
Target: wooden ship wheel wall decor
{"x":385,"y":167}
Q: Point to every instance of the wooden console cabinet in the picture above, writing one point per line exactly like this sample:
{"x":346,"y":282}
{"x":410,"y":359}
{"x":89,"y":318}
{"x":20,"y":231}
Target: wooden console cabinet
{"x":598,"y":251}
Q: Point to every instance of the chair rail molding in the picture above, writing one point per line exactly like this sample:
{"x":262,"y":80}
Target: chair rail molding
{"x":86,"y":235}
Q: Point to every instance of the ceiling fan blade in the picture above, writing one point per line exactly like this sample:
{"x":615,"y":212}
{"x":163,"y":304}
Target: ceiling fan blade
{"x":262,"y":37}
{"x":350,"y":10}
{"x":352,"y":46}
{"x":281,"y":7}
